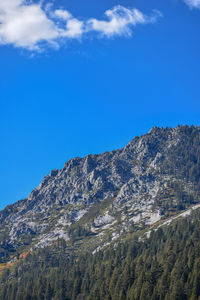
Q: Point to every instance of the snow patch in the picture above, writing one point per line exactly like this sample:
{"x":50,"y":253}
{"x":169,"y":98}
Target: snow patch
{"x":154,"y":217}
{"x":78,"y":214}
{"x":103,"y":220}
{"x":47,"y":239}
{"x":184,"y":214}
{"x":148,"y":217}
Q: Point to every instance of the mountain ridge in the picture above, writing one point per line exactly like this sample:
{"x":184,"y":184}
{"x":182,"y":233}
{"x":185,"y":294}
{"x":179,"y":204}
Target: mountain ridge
{"x":96,"y":199}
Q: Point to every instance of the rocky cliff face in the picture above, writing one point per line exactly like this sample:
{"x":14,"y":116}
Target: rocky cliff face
{"x":95,"y":199}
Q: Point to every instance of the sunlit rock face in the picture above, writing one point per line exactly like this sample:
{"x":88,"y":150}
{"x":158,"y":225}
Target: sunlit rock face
{"x":110,"y":193}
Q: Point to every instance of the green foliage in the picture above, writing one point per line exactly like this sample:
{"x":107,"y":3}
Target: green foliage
{"x":164,"y":267}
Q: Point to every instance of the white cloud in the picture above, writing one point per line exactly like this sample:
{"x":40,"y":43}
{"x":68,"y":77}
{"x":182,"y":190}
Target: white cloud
{"x":74,"y":29}
{"x":25,"y":25}
{"x":120,"y":21}
{"x":193,"y":3}
{"x":62,"y":14}
{"x":29,"y":25}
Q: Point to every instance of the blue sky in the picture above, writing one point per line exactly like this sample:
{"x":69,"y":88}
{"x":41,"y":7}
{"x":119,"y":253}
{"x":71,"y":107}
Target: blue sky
{"x":81,"y":77}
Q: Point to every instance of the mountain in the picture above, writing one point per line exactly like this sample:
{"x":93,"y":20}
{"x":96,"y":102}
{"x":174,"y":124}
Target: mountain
{"x":95,"y":200}
{"x":163,"y":266}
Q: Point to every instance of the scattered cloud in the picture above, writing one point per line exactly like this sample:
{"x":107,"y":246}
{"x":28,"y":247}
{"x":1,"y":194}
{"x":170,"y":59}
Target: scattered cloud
{"x":29,"y":25}
{"x":25,"y":25}
{"x":193,"y":3}
{"x":73,"y":27}
{"x":120,"y":21}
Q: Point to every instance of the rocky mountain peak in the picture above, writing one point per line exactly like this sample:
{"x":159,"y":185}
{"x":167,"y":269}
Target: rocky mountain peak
{"x":109,"y":193}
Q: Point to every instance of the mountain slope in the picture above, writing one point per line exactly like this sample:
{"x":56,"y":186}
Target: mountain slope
{"x":97,"y":199}
{"x":163,"y":266}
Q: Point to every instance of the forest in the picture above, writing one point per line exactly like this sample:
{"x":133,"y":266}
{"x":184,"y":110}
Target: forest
{"x":164,"y":266}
